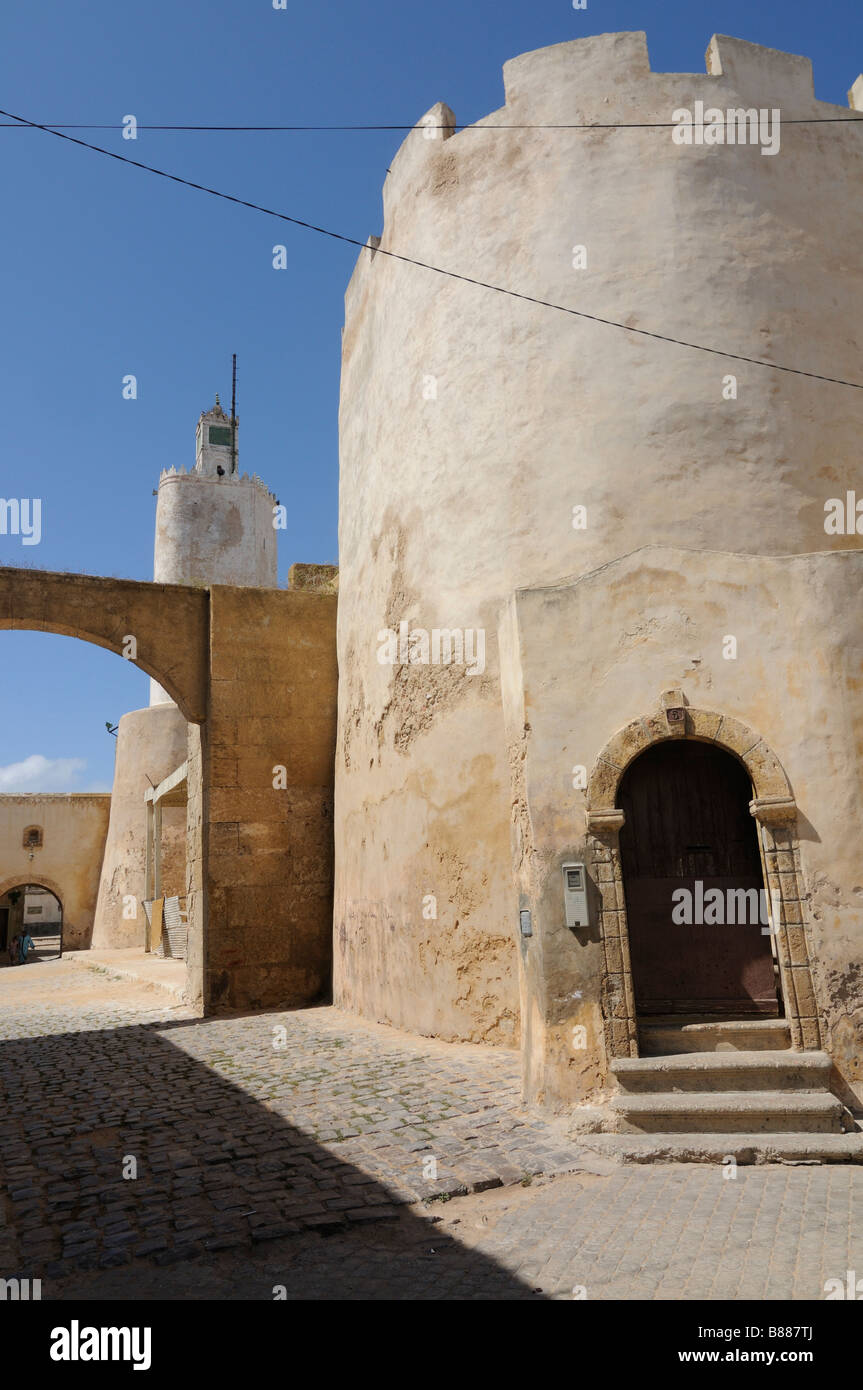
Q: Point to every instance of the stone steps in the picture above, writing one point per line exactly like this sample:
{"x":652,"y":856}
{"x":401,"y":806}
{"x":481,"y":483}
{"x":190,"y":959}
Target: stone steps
{"x":724,"y":1071}
{"x":701,"y":1093}
{"x":729,"y":1112}
{"x":705,"y":1089}
{"x":719,"y":1148}
{"x":673,"y":1034}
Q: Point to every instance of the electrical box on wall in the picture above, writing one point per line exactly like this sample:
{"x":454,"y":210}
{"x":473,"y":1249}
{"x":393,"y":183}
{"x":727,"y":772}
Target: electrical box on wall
{"x":575,"y":895}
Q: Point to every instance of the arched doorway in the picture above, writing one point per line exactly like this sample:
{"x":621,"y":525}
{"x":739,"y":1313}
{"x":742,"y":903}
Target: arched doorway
{"x":38,"y":910}
{"x":699,"y":936}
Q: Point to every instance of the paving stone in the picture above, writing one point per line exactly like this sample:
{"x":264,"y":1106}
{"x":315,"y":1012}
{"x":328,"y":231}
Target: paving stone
{"x":374,"y":1214}
{"x":113,"y":1258}
{"x":149,"y":1247}
{"x":231,"y":1174}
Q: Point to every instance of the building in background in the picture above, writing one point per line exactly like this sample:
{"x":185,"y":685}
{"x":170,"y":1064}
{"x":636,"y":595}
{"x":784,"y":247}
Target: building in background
{"x":55,"y":840}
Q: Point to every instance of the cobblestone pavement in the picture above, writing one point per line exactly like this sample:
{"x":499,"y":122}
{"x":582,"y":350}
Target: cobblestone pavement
{"x":132,"y":1130}
{"x":679,"y":1232}
{"x":683,"y":1231}
{"x":265,"y":1171}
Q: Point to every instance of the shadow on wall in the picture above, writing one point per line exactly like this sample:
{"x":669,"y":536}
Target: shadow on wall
{"x":216,"y":1171}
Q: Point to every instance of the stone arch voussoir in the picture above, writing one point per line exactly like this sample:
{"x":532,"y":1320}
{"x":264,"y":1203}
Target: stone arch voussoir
{"x":169,"y":622}
{"x":41,"y":880}
{"x":769,"y":780}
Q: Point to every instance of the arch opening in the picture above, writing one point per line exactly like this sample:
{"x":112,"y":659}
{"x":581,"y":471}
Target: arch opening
{"x":73,"y":788}
{"x":31,"y":924}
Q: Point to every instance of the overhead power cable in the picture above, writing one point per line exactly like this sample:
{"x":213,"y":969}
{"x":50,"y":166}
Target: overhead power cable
{"x":435,"y":269}
{"x":587,"y":125}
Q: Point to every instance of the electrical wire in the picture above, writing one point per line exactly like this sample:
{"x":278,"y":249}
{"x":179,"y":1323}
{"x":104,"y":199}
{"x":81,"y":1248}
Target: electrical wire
{"x":591,"y":125}
{"x":435,"y":269}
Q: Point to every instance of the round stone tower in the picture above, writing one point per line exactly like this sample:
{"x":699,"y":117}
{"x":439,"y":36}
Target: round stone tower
{"x":497,"y":443}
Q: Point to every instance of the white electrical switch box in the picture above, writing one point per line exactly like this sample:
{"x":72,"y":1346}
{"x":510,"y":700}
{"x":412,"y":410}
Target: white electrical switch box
{"x":575,"y":895}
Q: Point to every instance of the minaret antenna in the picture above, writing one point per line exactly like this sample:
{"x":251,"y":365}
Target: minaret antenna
{"x":234,"y":419}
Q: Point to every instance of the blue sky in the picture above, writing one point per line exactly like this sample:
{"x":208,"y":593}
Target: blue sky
{"x":108,"y":270}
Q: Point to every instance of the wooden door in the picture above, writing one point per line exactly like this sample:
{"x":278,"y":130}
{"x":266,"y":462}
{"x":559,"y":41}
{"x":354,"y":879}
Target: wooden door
{"x":688,"y":827}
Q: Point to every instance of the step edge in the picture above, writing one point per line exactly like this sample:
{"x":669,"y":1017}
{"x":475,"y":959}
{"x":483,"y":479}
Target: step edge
{"x":715,"y":1061}
{"x":728,"y":1100}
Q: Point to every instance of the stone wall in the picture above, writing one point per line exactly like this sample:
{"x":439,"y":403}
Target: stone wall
{"x":197,"y":810}
{"x":267,"y":758}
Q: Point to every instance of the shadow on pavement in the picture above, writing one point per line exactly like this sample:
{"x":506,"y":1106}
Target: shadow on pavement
{"x":229,"y":1199}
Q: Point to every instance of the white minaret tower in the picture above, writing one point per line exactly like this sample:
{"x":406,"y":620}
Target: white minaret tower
{"x":214,"y":526}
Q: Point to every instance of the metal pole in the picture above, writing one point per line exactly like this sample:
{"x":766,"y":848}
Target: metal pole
{"x":148,"y":874}
{"x":157,"y":849}
{"x":234,"y":418}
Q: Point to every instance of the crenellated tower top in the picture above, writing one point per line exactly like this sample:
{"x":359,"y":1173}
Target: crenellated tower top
{"x":679,"y":291}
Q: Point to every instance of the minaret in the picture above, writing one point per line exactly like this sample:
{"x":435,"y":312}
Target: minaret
{"x":216,"y":443}
{"x":214,"y":525}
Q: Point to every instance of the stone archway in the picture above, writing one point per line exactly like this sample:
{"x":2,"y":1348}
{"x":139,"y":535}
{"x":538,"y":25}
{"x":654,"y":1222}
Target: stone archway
{"x":775,"y":810}
{"x":17,"y":880}
{"x":168,"y":622}
{"x":163,"y":629}
{"x":254,"y":673}
{"x":22,"y":880}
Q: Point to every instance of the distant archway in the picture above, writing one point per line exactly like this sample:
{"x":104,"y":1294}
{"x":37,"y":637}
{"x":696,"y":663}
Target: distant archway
{"x":254,"y":673}
{"x":35,"y":906}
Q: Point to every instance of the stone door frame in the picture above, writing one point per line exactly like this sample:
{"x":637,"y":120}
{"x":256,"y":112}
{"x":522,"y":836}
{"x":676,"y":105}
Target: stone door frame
{"x":775,"y":810}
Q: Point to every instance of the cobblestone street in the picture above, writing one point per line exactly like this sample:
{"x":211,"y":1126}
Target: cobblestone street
{"x":304,"y":1160}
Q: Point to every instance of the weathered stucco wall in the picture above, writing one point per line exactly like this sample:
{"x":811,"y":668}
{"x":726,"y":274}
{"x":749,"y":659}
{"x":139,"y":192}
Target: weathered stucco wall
{"x":74,"y":828}
{"x":656,"y":619}
{"x":473,"y":423}
{"x":423,"y":931}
